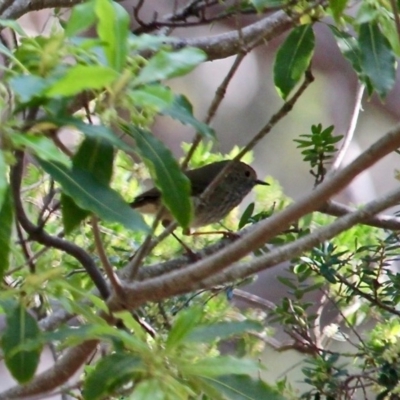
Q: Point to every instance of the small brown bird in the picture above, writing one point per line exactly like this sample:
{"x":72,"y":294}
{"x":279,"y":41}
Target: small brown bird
{"x":231,"y":190}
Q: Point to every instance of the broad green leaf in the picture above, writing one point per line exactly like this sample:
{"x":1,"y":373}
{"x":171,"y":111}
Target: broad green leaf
{"x":113,"y":30}
{"x":150,"y":42}
{"x":156,"y":96}
{"x":293,"y":58}
{"x":91,"y":131}
{"x":221,"y":330}
{"x":21,"y":327}
{"x":337,"y":7}
{"x":82,"y":77}
{"x":82,"y":17}
{"x":150,"y":389}
{"x":111,"y":373}
{"x":96,"y":157}
{"x":3,"y":178}
{"x":243,"y":387}
{"x":166,"y":173}
{"x":223,"y":365}
{"x":184,"y":324}
{"x":90,"y":194}
{"x":41,"y":146}
{"x":6,"y":218}
{"x":166,"y":65}
{"x":182,"y":110}
{"x":377,"y":58}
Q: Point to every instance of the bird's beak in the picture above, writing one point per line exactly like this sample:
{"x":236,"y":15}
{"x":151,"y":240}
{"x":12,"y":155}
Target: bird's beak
{"x":258,"y":182}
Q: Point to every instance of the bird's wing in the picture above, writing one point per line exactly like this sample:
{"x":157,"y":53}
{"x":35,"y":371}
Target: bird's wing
{"x":148,"y":196}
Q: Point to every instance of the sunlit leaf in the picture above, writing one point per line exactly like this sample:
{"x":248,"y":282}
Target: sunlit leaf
{"x":82,"y":17}
{"x":82,"y":77}
{"x":113,"y":30}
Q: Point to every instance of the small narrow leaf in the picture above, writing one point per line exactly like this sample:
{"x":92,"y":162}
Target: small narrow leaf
{"x":377,"y":58}
{"x":166,"y":173}
{"x":21,"y":327}
{"x":6,"y":218}
{"x":113,"y":30}
{"x":166,"y":65}
{"x":111,"y":373}
{"x":90,"y":194}
{"x":182,"y":110}
{"x":156,"y":96}
{"x":82,"y":77}
{"x":293,"y":59}
{"x":72,"y":215}
{"x":150,"y":389}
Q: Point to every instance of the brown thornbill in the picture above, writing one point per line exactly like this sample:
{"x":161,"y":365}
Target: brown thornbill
{"x":230,"y":191}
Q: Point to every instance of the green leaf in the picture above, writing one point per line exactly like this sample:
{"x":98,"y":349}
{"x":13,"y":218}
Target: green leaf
{"x":41,"y":146}
{"x":156,"y":96}
{"x":6,"y":218}
{"x":293,"y":58}
{"x":182,"y":110}
{"x":337,"y":7}
{"x":82,"y":17}
{"x":14,"y":25}
{"x":183,"y":326}
{"x":82,"y":77}
{"x":166,"y":173}
{"x":166,"y":65}
{"x":222,"y":330}
{"x":223,"y":365}
{"x":21,"y":327}
{"x":348,"y":45}
{"x":29,"y":87}
{"x":248,"y":212}
{"x":96,"y":157}
{"x":90,"y":194}
{"x":243,"y":387}
{"x":72,"y":215}
{"x":150,"y":389}
{"x":377,"y":58}
{"x":113,"y":30}
{"x":89,"y":130}
{"x":111,"y":373}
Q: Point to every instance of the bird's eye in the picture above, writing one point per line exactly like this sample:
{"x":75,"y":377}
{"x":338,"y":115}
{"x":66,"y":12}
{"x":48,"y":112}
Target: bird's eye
{"x":247,"y":173}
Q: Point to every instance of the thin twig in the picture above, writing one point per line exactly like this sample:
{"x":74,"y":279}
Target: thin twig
{"x":348,"y":136}
{"x":112,"y":277}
